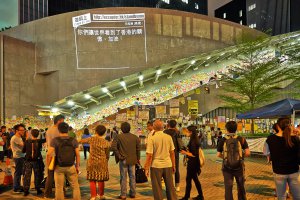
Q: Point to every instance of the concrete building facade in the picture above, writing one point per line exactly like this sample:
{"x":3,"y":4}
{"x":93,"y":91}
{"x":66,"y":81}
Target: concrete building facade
{"x":47,"y":60}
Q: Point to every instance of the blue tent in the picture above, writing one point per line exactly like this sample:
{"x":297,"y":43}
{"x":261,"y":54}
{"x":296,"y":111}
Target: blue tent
{"x":278,"y":109}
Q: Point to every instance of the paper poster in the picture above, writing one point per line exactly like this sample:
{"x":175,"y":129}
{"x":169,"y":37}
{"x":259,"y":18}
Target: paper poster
{"x":221,"y":125}
{"x":130,"y":114}
{"x":193,"y":107}
{"x":144,"y":114}
{"x":160,"y":110}
{"x":174,"y":112}
{"x":221,"y":118}
{"x":174,"y":103}
{"x":240,"y":126}
{"x":247,"y":127}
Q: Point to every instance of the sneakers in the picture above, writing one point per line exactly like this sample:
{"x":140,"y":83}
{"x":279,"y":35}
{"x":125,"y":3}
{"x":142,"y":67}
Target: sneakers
{"x":121,"y":197}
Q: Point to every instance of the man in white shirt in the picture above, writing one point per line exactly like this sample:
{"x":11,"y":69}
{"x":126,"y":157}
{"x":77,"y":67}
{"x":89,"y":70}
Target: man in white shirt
{"x":161,"y":161}
{"x":52,"y":133}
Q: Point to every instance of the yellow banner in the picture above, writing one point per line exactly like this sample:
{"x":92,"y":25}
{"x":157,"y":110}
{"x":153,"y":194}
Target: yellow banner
{"x":193,"y":107}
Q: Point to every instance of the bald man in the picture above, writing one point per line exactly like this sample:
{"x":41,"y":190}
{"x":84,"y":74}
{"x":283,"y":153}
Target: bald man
{"x":161,"y":162}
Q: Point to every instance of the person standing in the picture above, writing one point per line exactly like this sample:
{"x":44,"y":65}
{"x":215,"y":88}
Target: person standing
{"x":17,"y":145}
{"x":231,"y":149}
{"x":126,"y":147}
{"x":193,"y":164}
{"x":51,"y":133}
{"x":160,"y":161}
{"x":174,"y":133}
{"x":97,"y":165}
{"x":86,"y":146}
{"x":66,"y":151}
{"x":284,"y":151}
{"x":213,"y":137}
{"x":33,"y":161}
{"x":71,"y":132}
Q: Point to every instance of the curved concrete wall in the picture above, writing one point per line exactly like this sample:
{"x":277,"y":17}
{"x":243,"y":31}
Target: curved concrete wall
{"x":40,"y":57}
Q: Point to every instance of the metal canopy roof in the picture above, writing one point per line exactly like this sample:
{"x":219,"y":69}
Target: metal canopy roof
{"x":286,"y":43}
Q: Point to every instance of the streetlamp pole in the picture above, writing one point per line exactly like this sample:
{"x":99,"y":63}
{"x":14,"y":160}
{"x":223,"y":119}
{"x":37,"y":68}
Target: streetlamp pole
{"x":2,"y":93}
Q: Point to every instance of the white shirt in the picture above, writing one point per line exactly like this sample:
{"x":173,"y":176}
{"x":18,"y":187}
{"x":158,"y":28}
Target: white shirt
{"x":160,"y":145}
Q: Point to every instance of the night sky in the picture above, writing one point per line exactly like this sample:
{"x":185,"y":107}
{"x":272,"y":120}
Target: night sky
{"x":9,"y":11}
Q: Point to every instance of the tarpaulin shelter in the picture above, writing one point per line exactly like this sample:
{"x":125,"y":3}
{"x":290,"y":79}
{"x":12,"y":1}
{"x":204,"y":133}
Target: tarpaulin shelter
{"x":283,"y":108}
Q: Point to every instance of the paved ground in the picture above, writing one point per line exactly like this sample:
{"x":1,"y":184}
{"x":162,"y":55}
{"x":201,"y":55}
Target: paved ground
{"x":259,"y":183}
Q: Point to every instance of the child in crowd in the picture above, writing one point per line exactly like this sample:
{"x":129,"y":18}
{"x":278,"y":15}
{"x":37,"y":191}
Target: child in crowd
{"x":33,"y":160}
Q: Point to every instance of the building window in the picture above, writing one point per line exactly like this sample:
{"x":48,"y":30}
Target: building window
{"x":196,"y":6}
{"x":185,"y":1}
{"x":166,"y":1}
{"x":224,"y":15}
{"x":241,"y":13}
{"x":241,"y":22}
{"x":252,"y":6}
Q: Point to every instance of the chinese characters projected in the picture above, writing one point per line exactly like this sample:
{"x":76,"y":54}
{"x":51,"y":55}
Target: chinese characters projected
{"x":110,"y":41}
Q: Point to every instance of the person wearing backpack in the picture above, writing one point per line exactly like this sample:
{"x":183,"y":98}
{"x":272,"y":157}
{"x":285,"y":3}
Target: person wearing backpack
{"x":33,"y":161}
{"x":66,"y":150}
{"x":233,"y":149}
{"x":178,"y":144}
{"x":51,"y":133}
{"x":193,"y":163}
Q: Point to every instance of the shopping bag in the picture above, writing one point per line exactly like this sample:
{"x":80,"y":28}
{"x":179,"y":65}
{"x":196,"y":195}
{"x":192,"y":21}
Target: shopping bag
{"x":140,"y":175}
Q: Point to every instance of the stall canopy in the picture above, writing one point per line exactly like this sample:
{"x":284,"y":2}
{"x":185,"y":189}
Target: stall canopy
{"x":283,"y":108}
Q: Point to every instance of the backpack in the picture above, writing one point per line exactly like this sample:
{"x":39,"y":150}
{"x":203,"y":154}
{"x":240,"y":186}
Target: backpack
{"x":176,"y":141}
{"x":232,"y":156}
{"x":65,"y":152}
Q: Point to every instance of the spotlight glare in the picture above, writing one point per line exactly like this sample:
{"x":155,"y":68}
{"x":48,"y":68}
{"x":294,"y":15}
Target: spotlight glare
{"x":122,"y":83}
{"x":158,"y":72}
{"x":87,"y":96}
{"x":105,"y":90}
{"x":71,"y":103}
{"x":141,"y":77}
{"x":54,"y":110}
{"x":193,"y":62}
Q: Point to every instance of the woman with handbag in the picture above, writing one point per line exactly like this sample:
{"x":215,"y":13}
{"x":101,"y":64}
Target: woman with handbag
{"x":193,"y":163}
{"x":97,"y":164}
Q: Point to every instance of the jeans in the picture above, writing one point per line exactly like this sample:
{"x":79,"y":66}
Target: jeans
{"x":36,"y":166}
{"x":59,"y":177}
{"x":156,"y":175}
{"x":228,"y":182}
{"x":177,"y":173}
{"x":85,"y":149}
{"x":293,"y":180}
{"x":19,"y":162}
{"x":124,"y":169}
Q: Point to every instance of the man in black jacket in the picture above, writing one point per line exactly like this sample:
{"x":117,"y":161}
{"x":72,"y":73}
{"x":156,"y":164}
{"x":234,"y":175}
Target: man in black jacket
{"x":174,"y":133}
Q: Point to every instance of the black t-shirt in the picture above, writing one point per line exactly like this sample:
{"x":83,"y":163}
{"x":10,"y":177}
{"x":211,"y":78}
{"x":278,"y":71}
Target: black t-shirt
{"x":284,"y":159}
{"x":242,"y":140}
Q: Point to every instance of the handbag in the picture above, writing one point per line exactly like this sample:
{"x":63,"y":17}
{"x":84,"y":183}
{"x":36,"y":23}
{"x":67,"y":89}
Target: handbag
{"x":140,"y":175}
{"x":201,"y":157}
{"x":52,"y":163}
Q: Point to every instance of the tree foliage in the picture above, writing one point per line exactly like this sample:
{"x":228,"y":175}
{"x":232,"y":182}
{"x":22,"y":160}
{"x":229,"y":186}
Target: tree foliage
{"x":257,"y":73}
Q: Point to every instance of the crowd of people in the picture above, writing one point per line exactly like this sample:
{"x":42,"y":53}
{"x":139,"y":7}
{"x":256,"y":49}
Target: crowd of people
{"x":163,"y":147}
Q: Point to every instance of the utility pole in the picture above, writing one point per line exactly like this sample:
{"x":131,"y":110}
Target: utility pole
{"x":2,"y":92}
